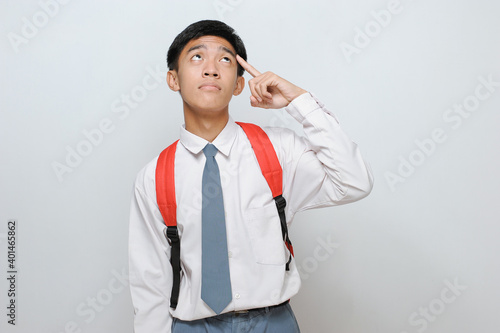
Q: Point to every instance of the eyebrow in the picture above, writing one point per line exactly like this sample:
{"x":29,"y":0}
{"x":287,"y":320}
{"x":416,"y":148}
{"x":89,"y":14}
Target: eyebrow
{"x":203,"y":46}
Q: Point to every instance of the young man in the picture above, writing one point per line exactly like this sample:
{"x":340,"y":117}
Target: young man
{"x":324,"y":168}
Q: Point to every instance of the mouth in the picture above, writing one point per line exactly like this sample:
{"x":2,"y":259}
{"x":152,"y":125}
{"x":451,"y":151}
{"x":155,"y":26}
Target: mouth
{"x":210,"y":86}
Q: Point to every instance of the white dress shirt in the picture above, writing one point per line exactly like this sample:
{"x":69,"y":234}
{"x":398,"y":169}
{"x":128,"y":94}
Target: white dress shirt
{"x":324,"y":168}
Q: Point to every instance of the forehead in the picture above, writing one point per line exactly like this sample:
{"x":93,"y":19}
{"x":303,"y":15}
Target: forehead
{"x":210,"y":42}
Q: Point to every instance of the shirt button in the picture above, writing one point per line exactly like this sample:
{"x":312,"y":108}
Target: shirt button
{"x":230,"y":254}
{"x":237,"y":296}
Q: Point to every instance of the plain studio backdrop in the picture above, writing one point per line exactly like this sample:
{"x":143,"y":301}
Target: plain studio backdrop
{"x":416,"y":84}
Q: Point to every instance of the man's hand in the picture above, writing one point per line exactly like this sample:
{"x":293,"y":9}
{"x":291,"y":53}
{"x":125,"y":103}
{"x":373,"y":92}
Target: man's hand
{"x":269,"y":91}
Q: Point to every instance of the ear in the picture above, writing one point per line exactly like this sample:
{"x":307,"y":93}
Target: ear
{"x":240,"y":84}
{"x":173,"y":80}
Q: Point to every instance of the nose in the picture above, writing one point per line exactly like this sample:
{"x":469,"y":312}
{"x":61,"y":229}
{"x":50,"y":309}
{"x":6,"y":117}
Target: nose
{"x":211,"y":70}
{"x":211,"y":73}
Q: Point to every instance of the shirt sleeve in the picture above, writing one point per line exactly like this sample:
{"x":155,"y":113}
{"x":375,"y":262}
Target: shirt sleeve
{"x":149,"y":263}
{"x":323,"y":168}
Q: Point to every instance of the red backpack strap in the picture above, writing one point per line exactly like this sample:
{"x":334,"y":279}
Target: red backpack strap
{"x":271,"y":169}
{"x":165,"y":185}
{"x":266,"y":156}
{"x":165,"y":197}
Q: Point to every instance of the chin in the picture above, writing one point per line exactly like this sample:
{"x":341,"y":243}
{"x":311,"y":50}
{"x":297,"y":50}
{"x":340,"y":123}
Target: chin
{"x":208,"y":108}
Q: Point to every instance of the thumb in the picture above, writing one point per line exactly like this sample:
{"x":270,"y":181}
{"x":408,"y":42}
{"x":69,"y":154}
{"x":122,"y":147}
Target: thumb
{"x":256,"y":104}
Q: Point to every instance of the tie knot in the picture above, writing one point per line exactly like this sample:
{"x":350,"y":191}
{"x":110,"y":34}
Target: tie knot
{"x":210,"y":150}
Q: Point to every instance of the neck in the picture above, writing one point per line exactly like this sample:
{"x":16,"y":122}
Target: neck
{"x":206,"y":125}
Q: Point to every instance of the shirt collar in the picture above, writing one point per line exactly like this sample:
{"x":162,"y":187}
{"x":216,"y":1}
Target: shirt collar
{"x":223,"y":142}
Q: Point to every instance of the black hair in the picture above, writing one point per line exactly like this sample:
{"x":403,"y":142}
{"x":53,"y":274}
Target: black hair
{"x":200,"y":29}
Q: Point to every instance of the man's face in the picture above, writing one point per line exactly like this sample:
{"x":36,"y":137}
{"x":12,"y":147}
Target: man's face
{"x":207,"y":75}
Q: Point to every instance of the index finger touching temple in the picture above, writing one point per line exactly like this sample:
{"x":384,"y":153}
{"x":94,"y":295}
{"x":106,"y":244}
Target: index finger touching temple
{"x":249,"y":68}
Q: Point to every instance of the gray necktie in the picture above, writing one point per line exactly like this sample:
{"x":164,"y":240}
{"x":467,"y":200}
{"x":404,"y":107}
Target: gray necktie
{"x":215,"y":283}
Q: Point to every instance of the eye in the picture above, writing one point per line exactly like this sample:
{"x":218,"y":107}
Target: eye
{"x":196,"y":57}
{"x":225,"y":59}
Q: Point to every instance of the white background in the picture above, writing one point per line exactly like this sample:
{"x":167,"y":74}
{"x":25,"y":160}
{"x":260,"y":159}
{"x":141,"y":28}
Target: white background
{"x":396,"y":252}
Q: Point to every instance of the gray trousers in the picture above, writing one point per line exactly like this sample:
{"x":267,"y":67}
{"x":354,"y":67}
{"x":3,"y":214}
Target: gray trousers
{"x":278,"y":319}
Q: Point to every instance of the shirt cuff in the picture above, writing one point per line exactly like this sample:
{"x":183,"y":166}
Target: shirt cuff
{"x":304,"y":105}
